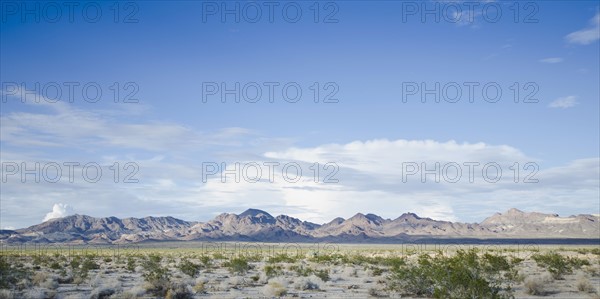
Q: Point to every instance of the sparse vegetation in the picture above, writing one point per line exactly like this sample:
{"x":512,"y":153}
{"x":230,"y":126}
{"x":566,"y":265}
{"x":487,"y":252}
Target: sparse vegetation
{"x":130,"y":264}
{"x":282,"y":258}
{"x":558,"y":264}
{"x":173,"y":273}
{"x":156,"y":276}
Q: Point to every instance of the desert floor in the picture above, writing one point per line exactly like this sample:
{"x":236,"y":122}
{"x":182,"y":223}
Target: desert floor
{"x":254,"y":270}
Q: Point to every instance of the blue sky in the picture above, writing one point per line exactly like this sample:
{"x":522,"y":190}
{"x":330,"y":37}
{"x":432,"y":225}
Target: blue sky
{"x":367,"y":54}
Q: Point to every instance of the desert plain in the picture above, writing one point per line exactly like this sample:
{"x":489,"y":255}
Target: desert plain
{"x":302,"y":270}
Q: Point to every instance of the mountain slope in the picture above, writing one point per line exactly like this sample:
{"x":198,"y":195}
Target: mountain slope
{"x":258,"y":225}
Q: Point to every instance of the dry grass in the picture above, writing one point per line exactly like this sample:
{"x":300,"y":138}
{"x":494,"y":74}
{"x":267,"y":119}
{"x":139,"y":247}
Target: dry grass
{"x":536,"y":285}
{"x":276,"y":287}
{"x":583,"y":284}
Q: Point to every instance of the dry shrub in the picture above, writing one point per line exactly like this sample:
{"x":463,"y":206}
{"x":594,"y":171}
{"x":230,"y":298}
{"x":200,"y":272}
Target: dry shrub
{"x":535,"y":285}
{"x":276,"y":287}
{"x":583,"y":284}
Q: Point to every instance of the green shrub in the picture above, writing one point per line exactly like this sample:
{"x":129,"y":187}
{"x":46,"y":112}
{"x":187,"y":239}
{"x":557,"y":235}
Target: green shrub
{"x":464,"y":275}
{"x":393,"y":262}
{"x":238,"y":265}
{"x":557,"y":264}
{"x":75,"y":262}
{"x":156,"y":276}
{"x":322,"y":274}
{"x":273,"y":270}
{"x":205,"y":260}
{"x":130,"y":264}
{"x":55,"y":265}
{"x":81,"y":266}
{"x":89,"y":264}
{"x":377,"y":271}
{"x":189,"y":268}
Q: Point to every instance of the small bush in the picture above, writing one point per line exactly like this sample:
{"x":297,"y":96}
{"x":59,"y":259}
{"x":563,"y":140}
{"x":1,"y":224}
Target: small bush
{"x":308,"y":283}
{"x":394,"y":263}
{"x":322,"y":274}
{"x":55,"y":265}
{"x":535,"y":286}
{"x":156,"y":276}
{"x":275,"y":288}
{"x":189,"y":268}
{"x":557,"y":264}
{"x":583,"y":285}
{"x":199,"y":287}
{"x":205,"y":260}
{"x":39,"y":278}
{"x":273,"y":270}
{"x":238,"y":265}
{"x":89,"y":264}
{"x":179,"y":291}
{"x":130,"y":264}
{"x":377,"y":271}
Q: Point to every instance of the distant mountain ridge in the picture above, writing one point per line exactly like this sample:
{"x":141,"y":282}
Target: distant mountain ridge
{"x":258,"y":225}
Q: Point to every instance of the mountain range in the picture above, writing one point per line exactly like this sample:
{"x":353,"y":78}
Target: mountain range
{"x":258,"y":225}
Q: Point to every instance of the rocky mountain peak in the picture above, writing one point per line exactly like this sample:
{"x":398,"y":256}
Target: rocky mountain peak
{"x":369,"y":219}
{"x":408,"y":217}
{"x":255,"y":213}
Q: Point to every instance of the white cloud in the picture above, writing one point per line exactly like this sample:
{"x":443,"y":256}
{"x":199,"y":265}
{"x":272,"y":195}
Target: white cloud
{"x":382,"y":156}
{"x":370,"y":181}
{"x":551,"y":60}
{"x":564,"y":102}
{"x":587,"y":35}
{"x":59,"y":210}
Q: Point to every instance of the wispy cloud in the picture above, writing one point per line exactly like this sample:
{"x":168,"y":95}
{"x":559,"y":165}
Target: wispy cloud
{"x":62,"y":125}
{"x":551,"y":60}
{"x":564,"y":102}
{"x":587,"y":35}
